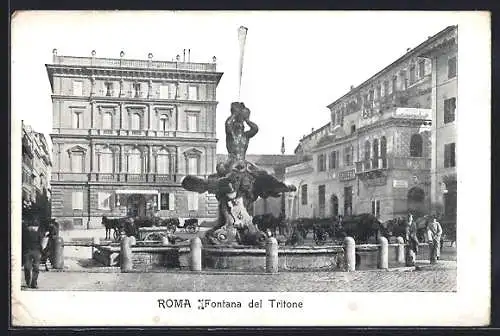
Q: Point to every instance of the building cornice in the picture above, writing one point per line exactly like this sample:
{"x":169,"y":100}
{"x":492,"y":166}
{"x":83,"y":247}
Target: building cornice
{"x":118,"y":100}
{"x":133,"y":74}
{"x":138,"y":139}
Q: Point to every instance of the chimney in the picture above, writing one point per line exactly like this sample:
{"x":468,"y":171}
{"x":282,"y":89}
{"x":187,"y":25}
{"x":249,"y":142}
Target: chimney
{"x":54,"y":55}
{"x":352,"y":87}
{"x":183,"y":55}
{"x":189,"y":55}
{"x":282,"y":145}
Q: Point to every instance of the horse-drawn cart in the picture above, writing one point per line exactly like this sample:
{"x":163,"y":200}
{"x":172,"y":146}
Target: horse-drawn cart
{"x":190,"y":225}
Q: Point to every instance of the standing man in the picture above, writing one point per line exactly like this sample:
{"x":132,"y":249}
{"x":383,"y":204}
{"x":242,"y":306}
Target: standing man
{"x":35,"y":238}
{"x":434,"y":233}
{"x":412,"y":241}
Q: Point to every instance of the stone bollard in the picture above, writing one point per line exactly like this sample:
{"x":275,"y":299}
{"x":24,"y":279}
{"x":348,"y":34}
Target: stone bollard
{"x":400,"y":253}
{"x":95,"y":242}
{"x":195,"y":254}
{"x":383,"y":253}
{"x":350,"y":254}
{"x":58,"y":253}
{"x":271,"y":255}
{"x":125,"y":255}
{"x":165,"y":241}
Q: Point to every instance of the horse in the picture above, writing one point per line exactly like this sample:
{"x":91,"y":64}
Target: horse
{"x":360,"y":227}
{"x":115,"y":224}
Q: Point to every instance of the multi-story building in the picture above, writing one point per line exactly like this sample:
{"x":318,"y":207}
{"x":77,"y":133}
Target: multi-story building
{"x":36,"y":165}
{"x":443,"y":55}
{"x":125,"y":133}
{"x":376,"y":154}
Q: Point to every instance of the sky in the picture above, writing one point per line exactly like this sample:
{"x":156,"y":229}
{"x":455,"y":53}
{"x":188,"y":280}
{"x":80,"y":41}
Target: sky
{"x":295,"y":63}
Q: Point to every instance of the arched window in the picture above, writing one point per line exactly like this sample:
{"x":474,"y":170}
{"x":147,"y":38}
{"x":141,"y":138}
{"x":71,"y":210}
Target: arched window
{"x":416,"y":143}
{"x":383,"y":151}
{"x":106,"y":161}
{"x":134,"y":161}
{"x":375,"y":153}
{"x":163,"y":122}
{"x":107,"y":121}
{"x":367,"y":150}
{"x":163,"y":162}
{"x":135,"y":121}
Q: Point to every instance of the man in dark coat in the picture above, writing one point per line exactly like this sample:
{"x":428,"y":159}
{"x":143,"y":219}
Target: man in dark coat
{"x":34,"y":240}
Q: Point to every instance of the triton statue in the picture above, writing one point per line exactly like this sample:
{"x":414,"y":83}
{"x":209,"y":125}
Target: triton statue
{"x":237,"y":184}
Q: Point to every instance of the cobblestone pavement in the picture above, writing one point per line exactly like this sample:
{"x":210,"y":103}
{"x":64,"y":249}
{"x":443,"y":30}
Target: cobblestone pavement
{"x":441,"y":277}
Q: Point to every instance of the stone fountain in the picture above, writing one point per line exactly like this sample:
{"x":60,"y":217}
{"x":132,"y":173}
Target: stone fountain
{"x":237,"y":184}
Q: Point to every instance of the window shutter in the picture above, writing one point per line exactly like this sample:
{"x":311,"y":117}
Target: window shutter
{"x":446,"y":156}
{"x":171,"y":201}
{"x":77,"y":200}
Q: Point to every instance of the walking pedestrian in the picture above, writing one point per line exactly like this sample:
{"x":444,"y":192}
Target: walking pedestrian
{"x":434,"y":233}
{"x":35,"y":238}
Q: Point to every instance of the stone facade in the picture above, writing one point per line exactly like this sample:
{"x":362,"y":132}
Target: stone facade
{"x":375,"y":154}
{"x":36,"y":165}
{"x":443,"y":55}
{"x":126,"y":132}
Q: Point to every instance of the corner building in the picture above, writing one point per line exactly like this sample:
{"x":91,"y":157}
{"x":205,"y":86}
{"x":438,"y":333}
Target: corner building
{"x":375,"y":156}
{"x":125,"y":133}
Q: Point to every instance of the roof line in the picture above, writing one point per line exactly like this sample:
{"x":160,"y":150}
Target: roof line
{"x":409,"y":53}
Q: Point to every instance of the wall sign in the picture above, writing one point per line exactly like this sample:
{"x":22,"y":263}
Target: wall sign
{"x":399,"y":184}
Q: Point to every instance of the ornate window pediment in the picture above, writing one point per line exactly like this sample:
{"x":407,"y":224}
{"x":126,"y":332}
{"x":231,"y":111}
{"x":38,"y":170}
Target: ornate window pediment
{"x":193,"y":152}
{"x":77,"y":148}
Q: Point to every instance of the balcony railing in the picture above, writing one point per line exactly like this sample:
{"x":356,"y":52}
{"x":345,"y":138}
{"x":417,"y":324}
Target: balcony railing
{"x":413,"y":163}
{"x":347,"y":175}
{"x":131,"y":63}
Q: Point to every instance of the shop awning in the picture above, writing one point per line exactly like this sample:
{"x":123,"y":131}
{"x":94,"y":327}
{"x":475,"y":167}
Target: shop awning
{"x":136,"y":192}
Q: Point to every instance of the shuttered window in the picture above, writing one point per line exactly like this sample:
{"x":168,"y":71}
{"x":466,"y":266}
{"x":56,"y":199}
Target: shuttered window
{"x":77,"y":200}
{"x":449,"y":155}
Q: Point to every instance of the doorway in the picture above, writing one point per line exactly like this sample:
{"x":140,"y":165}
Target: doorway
{"x":334,"y":206}
{"x":136,"y":205}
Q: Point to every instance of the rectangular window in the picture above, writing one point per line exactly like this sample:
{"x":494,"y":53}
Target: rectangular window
{"x":77,"y":88}
{"x":193,"y":201}
{"x":165,"y":201}
{"x":193,"y":165}
{"x":104,"y":200}
{"x":386,"y":88}
{"x":77,"y":119}
{"x":77,"y":162}
{"x":412,"y":74}
{"x":333,"y":160}
{"x":452,"y":67}
{"x":321,"y":162}
{"x":450,"y":106}
{"x":137,"y":89}
{"x":376,"y":208}
{"x":421,"y":68}
{"x":164,"y":91}
{"x":77,"y":222}
{"x":348,"y":156}
{"x":321,"y":195}
{"x":379,"y":92}
{"x":353,"y":129}
{"x":192,"y":123}
{"x":109,"y":88}
{"x":303,"y":195}
{"x":77,"y":200}
{"x":192,"y":92}
{"x":394,"y":84}
{"x":449,"y":155}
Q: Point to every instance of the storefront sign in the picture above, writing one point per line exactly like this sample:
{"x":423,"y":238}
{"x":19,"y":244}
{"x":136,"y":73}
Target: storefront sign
{"x":406,"y":112}
{"x":377,"y":181}
{"x":399,"y":184}
{"x":347,"y":175}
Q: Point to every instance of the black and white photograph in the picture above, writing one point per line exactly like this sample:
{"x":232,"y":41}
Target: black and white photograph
{"x":227,"y":168}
